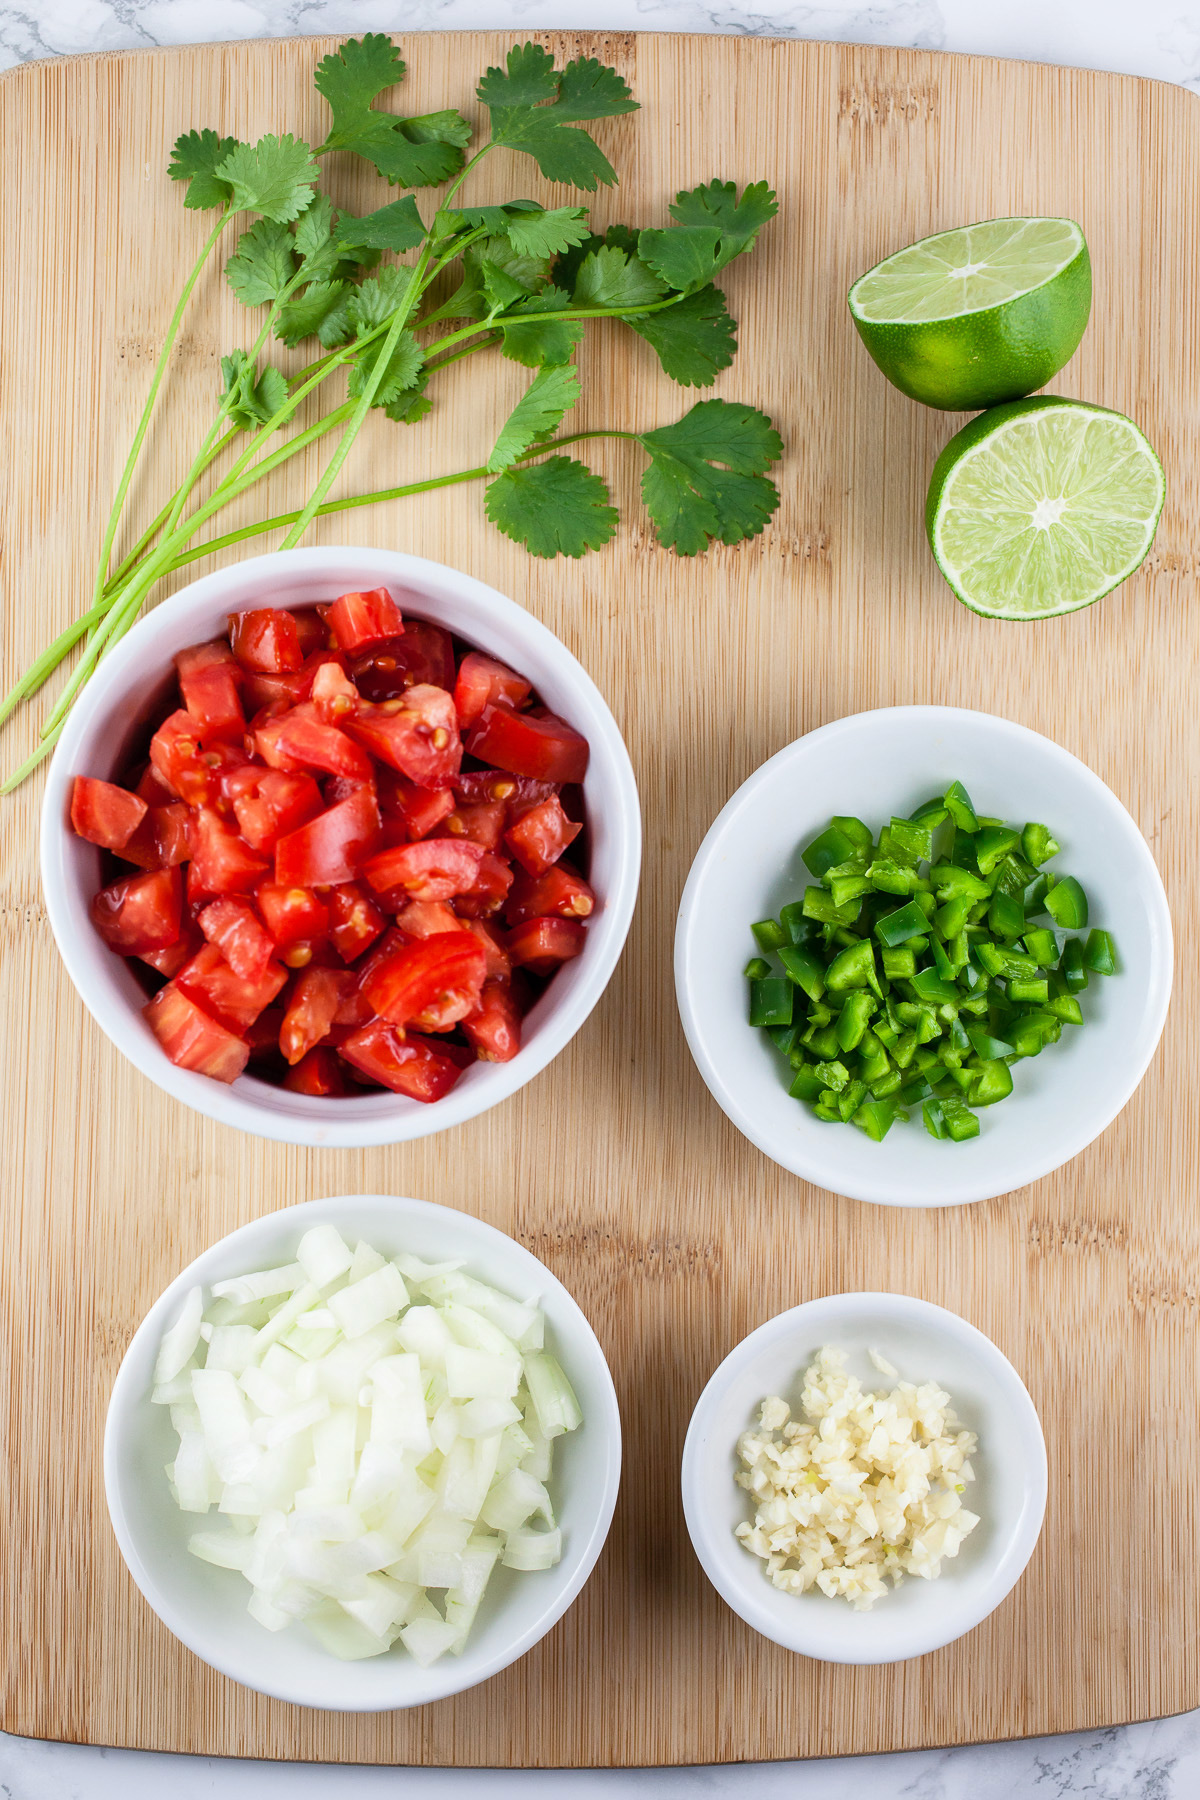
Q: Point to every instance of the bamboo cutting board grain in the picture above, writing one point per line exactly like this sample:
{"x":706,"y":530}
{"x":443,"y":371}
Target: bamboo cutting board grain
{"x":676,"y":1236}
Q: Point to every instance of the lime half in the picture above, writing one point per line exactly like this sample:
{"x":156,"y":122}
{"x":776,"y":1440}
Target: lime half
{"x":1041,"y":506}
{"x":979,"y":315}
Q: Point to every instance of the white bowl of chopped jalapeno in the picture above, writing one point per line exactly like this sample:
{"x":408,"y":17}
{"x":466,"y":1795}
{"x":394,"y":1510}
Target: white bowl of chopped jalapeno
{"x":923,"y":956}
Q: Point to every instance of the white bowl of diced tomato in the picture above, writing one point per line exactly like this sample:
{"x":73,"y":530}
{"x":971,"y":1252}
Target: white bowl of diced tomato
{"x":340,"y":846}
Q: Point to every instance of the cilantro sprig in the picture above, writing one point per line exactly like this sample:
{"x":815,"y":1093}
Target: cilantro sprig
{"x":369,"y":309}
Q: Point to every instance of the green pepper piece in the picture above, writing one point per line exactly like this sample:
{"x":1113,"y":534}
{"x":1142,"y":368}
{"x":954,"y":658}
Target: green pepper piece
{"x":898,"y":962}
{"x":1030,"y":1035}
{"x":1035,"y":897}
{"x":986,"y":1048}
{"x":928,"y":985}
{"x":756,"y":968}
{"x":807,"y":1084}
{"x":897,"y":927}
{"x":1100,"y":953}
{"x":802,"y":967}
{"x":854,"y":829}
{"x":885,"y":1084}
{"x":941,"y":962}
{"x":843,"y":888}
{"x":993,"y":1082}
{"x":961,"y":1122}
{"x":853,"y":1018}
{"x":1038,"y":844}
{"x":852,"y":968}
{"x":771,"y":1001}
{"x":1065,"y":1007}
{"x":957,"y":802}
{"x":800,"y":929}
{"x":959,"y":952}
{"x":827,"y":848}
{"x":1033,"y":988}
{"x":889,"y":877}
{"x":952,"y":916}
{"x":819,"y":905}
{"x":1006,"y":917}
{"x":1012,"y":875}
{"x":1067,"y":904}
{"x":822,"y":1041}
{"x":784,"y":1037}
{"x":930,"y":812}
{"x":935,"y":1119}
{"x":1000,"y":959}
{"x":914,"y":837}
{"x":850,"y":1099}
{"x":876,"y":1118}
{"x":1042,"y":945}
{"x":914,"y":1089}
{"x":1072,"y":968}
{"x":884,"y":1032}
{"x":951,"y":882}
{"x":834,"y":1074}
{"x":828,"y":1115}
{"x":991,"y":844}
{"x":769,"y":934}
{"x":904,"y":1049}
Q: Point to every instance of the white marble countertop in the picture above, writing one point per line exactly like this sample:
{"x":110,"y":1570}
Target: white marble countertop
{"x":1161,"y":38}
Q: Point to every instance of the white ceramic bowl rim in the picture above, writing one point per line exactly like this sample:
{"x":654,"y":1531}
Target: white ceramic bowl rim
{"x":930,"y":1614}
{"x":105,"y":713}
{"x":243,"y":1650}
{"x":903,"y":1171}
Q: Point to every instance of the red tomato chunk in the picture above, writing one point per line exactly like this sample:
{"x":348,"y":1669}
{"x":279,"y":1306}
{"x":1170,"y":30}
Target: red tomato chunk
{"x":330,"y":898}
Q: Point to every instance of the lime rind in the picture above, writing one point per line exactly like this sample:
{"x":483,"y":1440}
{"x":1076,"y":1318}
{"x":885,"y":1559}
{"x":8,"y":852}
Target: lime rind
{"x":1043,"y":510}
{"x":968,"y":270}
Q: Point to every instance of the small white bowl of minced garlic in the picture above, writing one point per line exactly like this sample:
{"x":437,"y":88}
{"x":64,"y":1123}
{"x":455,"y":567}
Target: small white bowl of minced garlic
{"x":864,"y":1478}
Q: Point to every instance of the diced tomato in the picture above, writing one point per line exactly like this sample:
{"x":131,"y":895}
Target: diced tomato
{"x":333,"y":693}
{"x":208,"y":682}
{"x":263,"y":1035}
{"x":427,"y":918}
{"x":140,"y":912}
{"x":330,"y":848}
{"x":311,"y":1010}
{"x":177,"y":756}
{"x":311,"y":630}
{"x":420,"y":810}
{"x":434,"y":869}
{"x":530,"y":743}
{"x":265,"y":695}
{"x":561,"y":891}
{"x":540,"y":945}
{"x":406,"y":1064}
{"x":487,"y":892}
{"x":108,"y":815}
{"x":354,"y":920}
{"x":424,"y":654}
{"x":497,"y":959}
{"x":540,"y":836}
{"x":161,"y":841}
{"x":518,"y":792}
{"x":301,"y":739}
{"x":417,"y":735}
{"x":293,"y":915}
{"x":480,"y":822}
{"x":358,"y":620}
{"x":238,"y":932}
{"x":494,"y":1028}
{"x":484,"y":682}
{"x":435,"y":981}
{"x":269,"y":803}
{"x":266,"y":641}
{"x":191,"y":1039}
{"x":152,"y":788}
{"x":231,"y":999}
{"x":168,"y":962}
{"x":319,"y":1072}
{"x":221,"y":862}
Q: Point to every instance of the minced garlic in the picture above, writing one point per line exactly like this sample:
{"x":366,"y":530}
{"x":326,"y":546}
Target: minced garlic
{"x":871,"y":1487}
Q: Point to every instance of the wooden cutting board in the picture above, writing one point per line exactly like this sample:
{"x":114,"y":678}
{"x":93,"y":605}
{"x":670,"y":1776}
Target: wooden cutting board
{"x":676,"y":1235}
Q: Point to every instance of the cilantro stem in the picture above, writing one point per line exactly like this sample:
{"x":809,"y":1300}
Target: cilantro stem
{"x":160,"y":369}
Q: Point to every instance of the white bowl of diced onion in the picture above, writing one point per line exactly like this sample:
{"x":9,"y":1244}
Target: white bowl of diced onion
{"x":888,"y":1344}
{"x":362,"y":1453}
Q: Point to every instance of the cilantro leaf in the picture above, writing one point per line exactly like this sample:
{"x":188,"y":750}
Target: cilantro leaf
{"x":690,"y":498}
{"x":567,"y":266}
{"x":611,"y":277}
{"x":195,"y":159}
{"x":274,"y":177}
{"x":314,"y":228}
{"x":403,"y":367}
{"x":561,"y":152}
{"x":397,"y":227}
{"x":263,"y":263}
{"x":738,"y":221}
{"x":529,"y":76}
{"x":337,"y":325}
{"x":500,"y":288}
{"x":686,"y":256}
{"x":314,"y":311}
{"x":254,"y":399}
{"x":694,"y":339}
{"x":551,"y":393}
{"x":534,"y":342}
{"x":409,"y":152}
{"x":555,"y":508}
{"x":375,"y":300}
{"x":545,"y":234}
{"x":411,"y":405}
{"x":589,"y":90}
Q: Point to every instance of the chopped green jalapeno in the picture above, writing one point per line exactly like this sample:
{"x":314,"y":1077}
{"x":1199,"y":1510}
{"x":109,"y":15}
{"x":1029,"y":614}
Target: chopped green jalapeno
{"x":896,"y":981}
